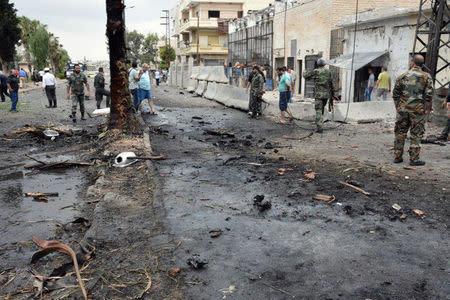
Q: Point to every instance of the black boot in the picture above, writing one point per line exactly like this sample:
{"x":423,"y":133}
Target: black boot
{"x":417,"y":163}
{"x":82,"y":117}
{"x":445,"y":132}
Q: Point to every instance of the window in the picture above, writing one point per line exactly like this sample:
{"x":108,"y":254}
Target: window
{"x":240,"y":14}
{"x":213,"y":14}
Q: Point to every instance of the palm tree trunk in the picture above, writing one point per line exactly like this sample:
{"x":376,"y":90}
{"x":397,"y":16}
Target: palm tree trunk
{"x":122,"y":112}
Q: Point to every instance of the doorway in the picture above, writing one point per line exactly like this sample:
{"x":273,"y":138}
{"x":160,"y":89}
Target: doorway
{"x":310,"y":64}
{"x":361,"y":81}
{"x":299,"y":75}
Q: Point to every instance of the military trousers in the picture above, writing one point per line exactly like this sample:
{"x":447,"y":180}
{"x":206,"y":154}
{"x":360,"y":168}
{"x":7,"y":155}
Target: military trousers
{"x":414,"y":123}
{"x":77,"y":99}
{"x":255,"y":104}
{"x":319,"y":106}
{"x":99,"y":93}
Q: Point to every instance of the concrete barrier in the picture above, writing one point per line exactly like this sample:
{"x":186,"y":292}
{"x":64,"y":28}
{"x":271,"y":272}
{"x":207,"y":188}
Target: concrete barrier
{"x":185,"y":76}
{"x":204,"y":73}
{"x":217,"y":74}
{"x":201,"y":88}
{"x":195,"y":72}
{"x":211,"y":90}
{"x":192,"y":85}
{"x":223,"y":93}
{"x":179,"y":75}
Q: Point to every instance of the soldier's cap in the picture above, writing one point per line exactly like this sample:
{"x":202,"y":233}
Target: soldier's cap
{"x":321,"y":62}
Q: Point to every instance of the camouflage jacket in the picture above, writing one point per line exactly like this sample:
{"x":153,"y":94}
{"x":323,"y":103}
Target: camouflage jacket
{"x":76,"y":83}
{"x":323,"y":84}
{"x":412,"y":90}
{"x":257,"y":84}
{"x":99,"y":81}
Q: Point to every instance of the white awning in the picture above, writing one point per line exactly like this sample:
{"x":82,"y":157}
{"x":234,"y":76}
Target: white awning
{"x":361,"y":59}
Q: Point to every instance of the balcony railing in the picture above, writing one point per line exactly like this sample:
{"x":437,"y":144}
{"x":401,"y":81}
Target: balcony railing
{"x":193,"y":23}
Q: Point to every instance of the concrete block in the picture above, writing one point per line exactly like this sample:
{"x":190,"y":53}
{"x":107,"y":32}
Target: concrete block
{"x":201,"y":88}
{"x":204,"y":73}
{"x":217,"y":74}
{"x":185,"y":76}
{"x":223,"y":93}
{"x":195,"y":72}
{"x":211,"y":90}
{"x":192,"y":85}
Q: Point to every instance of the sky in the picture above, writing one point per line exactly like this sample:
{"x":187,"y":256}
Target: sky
{"x":80,"y":24}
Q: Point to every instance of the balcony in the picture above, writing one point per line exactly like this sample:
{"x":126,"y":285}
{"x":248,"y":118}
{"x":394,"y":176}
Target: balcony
{"x":203,"y":24}
{"x":211,"y":49}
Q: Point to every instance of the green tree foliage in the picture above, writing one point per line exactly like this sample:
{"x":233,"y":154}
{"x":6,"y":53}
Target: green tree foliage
{"x":39,"y":45}
{"x":28,"y":27}
{"x":9,"y":32}
{"x":141,"y":47}
{"x":167,"y":54}
{"x":64,"y":60}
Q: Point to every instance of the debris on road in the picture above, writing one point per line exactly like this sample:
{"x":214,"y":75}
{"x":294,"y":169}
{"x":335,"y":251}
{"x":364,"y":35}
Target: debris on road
{"x":325,"y":198}
{"x":53,"y":165}
{"x":409,"y":168}
{"x":174,"y":272}
{"x":215,"y":233}
{"x":126,"y":159}
{"x":355,"y":187}
{"x":282,"y":171}
{"x":353,"y":169}
{"x":52,"y":246}
{"x":219,"y":133}
{"x":396,"y":207}
{"x":196,"y":262}
{"x":252,"y":164}
{"x":41,"y":196}
{"x":419,"y":212}
{"x":298,"y":139}
{"x":403,"y":217}
{"x":311,"y":175}
{"x":262,"y":204}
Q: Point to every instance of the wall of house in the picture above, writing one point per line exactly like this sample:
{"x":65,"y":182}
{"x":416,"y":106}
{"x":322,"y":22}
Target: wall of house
{"x":395,"y":35}
{"x":227,"y":10}
{"x":343,"y":8}
{"x":256,"y":5}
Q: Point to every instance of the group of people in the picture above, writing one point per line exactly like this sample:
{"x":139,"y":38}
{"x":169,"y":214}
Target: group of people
{"x":139,"y":85}
{"x":382,"y":85}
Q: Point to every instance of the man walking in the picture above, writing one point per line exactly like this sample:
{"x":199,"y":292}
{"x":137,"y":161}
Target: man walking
{"x":383,"y":85}
{"x":3,"y":86}
{"x":133,"y":79}
{"x":13,"y":87}
{"x":100,"y":91}
{"x":370,"y":86}
{"x":76,"y":82}
{"x":23,"y":78}
{"x":144,"y":88}
{"x":413,"y":94}
{"x":157,"y":77}
{"x":323,"y":90}
{"x":49,"y":86}
{"x":284,"y":87}
{"x":445,"y":132}
{"x":256,"y":93}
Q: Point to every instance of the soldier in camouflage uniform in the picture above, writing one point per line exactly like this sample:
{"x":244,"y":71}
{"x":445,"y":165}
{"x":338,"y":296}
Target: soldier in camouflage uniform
{"x":256,"y":92}
{"x":76,"y":82}
{"x":413,"y":93}
{"x":323,"y":90}
{"x":100,"y":91}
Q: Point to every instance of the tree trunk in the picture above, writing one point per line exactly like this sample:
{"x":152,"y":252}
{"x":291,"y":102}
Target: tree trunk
{"x":122,"y":111}
{"x":4,"y":67}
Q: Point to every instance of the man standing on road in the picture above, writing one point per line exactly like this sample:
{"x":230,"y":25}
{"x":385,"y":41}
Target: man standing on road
{"x":157,"y":77}
{"x":257,"y":90}
{"x":413,"y":95}
{"x":323,"y":90}
{"x":133,"y":79}
{"x":249,"y":82}
{"x":144,"y":88}
{"x":76,"y":82}
{"x":284,"y":87}
{"x":370,"y":86}
{"x":100,"y":91}
{"x":49,"y":86}
{"x":3,"y":87}
{"x":446,"y":104}
{"x":23,"y":78}
{"x":383,"y":85}
{"x":13,"y":87}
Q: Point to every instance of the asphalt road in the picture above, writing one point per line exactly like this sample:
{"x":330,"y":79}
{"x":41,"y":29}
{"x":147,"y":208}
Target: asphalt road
{"x":356,"y":247}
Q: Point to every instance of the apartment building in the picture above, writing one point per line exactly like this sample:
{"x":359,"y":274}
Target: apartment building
{"x":201,"y":28}
{"x":305,"y":30}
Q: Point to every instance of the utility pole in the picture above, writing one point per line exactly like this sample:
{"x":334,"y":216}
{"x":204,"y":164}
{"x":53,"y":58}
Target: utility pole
{"x":198,"y":38}
{"x":166,"y":22}
{"x":122,"y":112}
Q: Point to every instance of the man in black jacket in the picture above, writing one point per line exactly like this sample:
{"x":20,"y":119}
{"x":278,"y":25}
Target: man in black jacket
{"x":99,"y":84}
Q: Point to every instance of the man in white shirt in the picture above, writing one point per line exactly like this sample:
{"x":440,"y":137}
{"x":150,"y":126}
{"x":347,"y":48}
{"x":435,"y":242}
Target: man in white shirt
{"x":157,"y":77}
{"x":49,"y":86}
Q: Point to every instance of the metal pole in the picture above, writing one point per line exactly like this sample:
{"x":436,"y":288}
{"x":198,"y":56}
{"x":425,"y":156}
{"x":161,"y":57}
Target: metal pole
{"x":198,"y":38}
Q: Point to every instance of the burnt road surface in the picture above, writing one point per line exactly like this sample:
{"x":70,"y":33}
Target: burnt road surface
{"x":356,"y":247}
